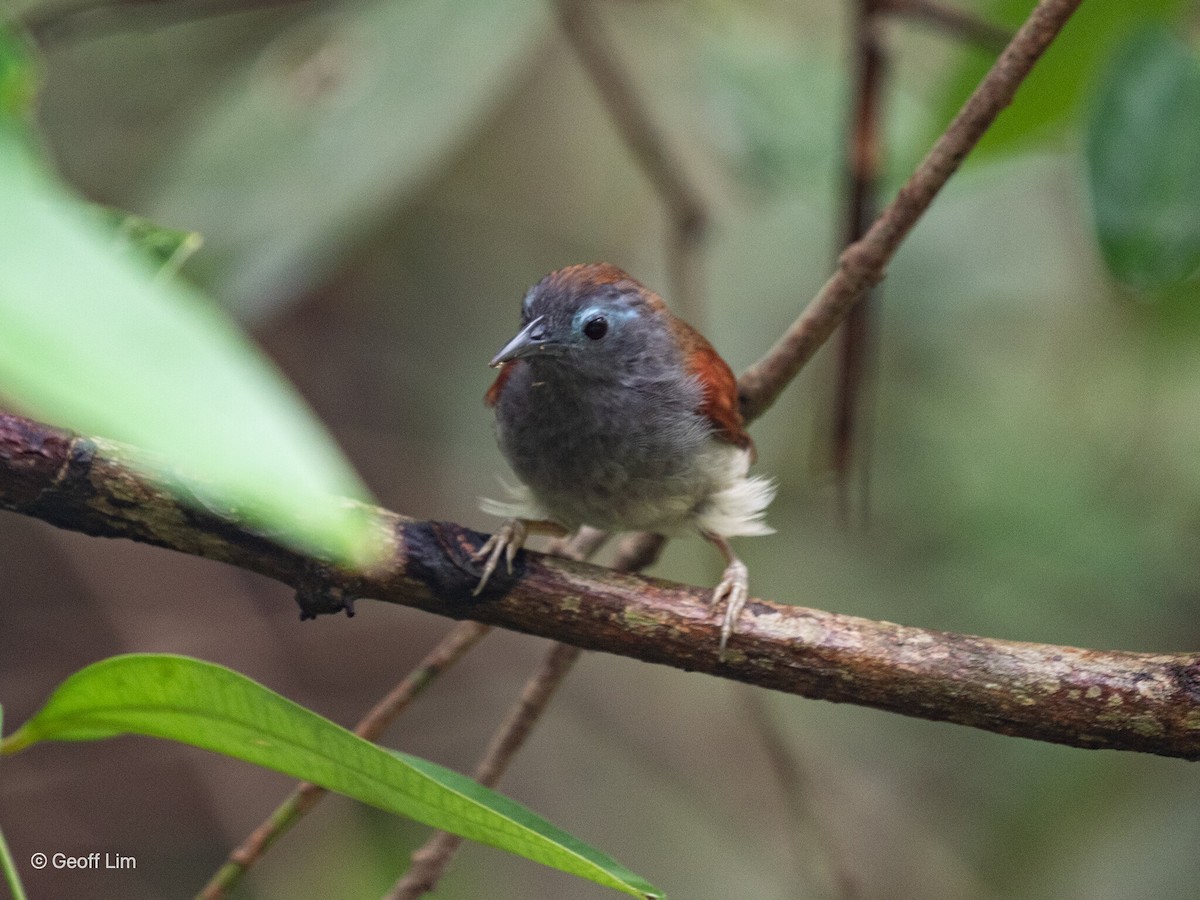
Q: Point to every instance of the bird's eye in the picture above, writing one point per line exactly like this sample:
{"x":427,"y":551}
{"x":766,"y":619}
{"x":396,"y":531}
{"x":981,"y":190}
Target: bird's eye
{"x":595,"y":328}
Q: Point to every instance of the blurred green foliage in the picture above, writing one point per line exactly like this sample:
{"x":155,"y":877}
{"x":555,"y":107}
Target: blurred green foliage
{"x":1143,"y":153}
{"x":104,"y":343}
{"x":1049,"y":100}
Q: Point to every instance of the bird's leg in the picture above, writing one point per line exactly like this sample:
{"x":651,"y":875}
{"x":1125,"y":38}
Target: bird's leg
{"x":579,"y":545}
{"x":507,"y":540}
{"x":506,"y":543}
{"x":734,"y":589}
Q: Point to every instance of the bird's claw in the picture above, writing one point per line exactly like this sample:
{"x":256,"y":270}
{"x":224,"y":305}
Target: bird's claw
{"x":734,"y":590}
{"x":505,"y":543}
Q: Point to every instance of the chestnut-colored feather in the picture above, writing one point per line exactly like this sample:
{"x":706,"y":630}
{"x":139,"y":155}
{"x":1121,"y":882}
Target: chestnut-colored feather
{"x":720,"y":402}
{"x":493,"y":393}
{"x":584,"y":277}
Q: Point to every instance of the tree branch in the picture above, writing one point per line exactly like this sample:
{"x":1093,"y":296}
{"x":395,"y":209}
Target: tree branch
{"x":1083,"y":698}
{"x":862,"y":264}
{"x":799,"y":790}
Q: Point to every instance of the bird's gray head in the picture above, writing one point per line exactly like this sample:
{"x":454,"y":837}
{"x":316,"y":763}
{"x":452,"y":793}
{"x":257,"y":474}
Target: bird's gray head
{"x":593,"y":319}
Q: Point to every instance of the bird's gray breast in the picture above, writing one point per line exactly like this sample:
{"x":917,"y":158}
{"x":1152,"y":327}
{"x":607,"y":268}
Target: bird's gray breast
{"x":611,"y":451}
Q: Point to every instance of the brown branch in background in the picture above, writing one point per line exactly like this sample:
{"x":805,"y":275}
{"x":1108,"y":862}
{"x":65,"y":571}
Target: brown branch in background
{"x":453,"y":647}
{"x":955,"y":22}
{"x":685,"y":208}
{"x":862,"y":264}
{"x":430,"y":860}
{"x":799,"y":790}
{"x":1083,"y":698}
{"x":863,"y":162}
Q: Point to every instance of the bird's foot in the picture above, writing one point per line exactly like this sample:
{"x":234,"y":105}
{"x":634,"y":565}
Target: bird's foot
{"x":733,"y":590}
{"x":505,"y":543}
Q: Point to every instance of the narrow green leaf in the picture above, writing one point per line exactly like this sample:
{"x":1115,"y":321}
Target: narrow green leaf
{"x":9,"y":867}
{"x":1143,"y":155}
{"x":94,"y":340}
{"x":168,"y":248}
{"x":214,"y":708}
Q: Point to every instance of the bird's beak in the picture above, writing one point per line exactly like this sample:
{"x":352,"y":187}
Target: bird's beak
{"x":532,"y":340}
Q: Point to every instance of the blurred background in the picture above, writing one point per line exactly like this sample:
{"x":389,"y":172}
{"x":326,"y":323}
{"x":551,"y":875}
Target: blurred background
{"x":377,"y":184}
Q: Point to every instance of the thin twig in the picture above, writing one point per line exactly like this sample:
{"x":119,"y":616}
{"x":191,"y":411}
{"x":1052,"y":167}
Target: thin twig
{"x":461,"y":639}
{"x":862,"y":264}
{"x":957,"y":23}
{"x":431,"y":859}
{"x":687,"y":211}
{"x":799,"y":788}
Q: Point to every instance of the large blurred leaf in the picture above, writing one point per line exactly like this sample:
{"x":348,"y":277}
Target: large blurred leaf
{"x":211,"y":707}
{"x":1050,"y":96}
{"x":1143,"y":155}
{"x":341,"y":118}
{"x":95,"y":339}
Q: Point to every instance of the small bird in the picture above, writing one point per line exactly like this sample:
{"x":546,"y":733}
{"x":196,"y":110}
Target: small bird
{"x":616,"y":414}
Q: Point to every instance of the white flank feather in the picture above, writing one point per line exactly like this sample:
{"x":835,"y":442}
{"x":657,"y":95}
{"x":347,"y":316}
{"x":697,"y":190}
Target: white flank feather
{"x":519,"y":505}
{"x":737,"y":508}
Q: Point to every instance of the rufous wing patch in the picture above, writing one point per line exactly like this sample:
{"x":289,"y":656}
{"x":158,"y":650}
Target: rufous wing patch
{"x":720,"y":403}
{"x":492,"y":397}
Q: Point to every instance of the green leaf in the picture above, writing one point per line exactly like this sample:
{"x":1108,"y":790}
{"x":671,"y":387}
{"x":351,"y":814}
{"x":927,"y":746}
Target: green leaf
{"x":9,"y":867}
{"x":1050,"y":97}
{"x":91,"y":339}
{"x":214,"y":708}
{"x":168,"y":248}
{"x":1143,"y":156}
{"x":11,"y":876}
